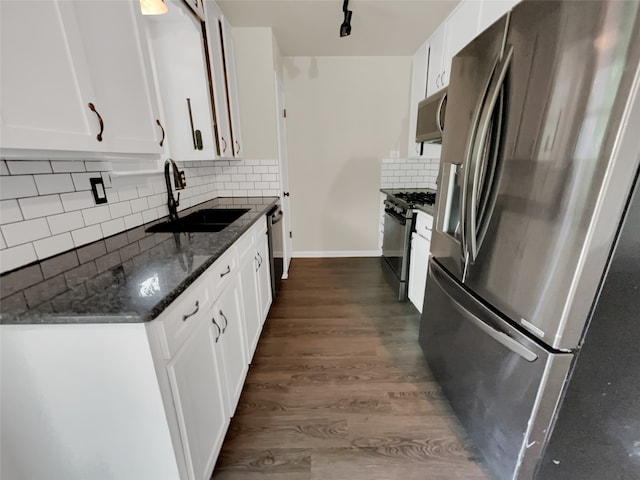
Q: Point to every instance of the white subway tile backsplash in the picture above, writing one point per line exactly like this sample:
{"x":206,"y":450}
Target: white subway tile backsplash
{"x":34,"y":207}
{"x":65,"y":222}
{"x":54,"y":183}
{"x":50,"y":246}
{"x":17,"y":186}
{"x":409,"y":173}
{"x":27,"y":231}
{"x":95,"y":215}
{"x":86,"y":235}
{"x":120,"y":209}
{"x":15,"y":257}
{"x":81,"y":180}
{"x":112,"y":227}
{"x":134,"y":220}
{"x":67,"y":167}
{"x":10,"y":211}
{"x":21,"y":167}
{"x":139,"y":204}
{"x":77,"y":200}
{"x":61,"y":213}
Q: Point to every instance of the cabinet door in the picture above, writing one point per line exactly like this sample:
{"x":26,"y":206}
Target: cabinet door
{"x":250,"y":301}
{"x":492,"y":10}
{"x":463,"y":27}
{"x":219,"y":78}
{"x":45,"y":85}
{"x":437,"y":43}
{"x":118,"y":59}
{"x":264,"y":276}
{"x":418,"y":93}
{"x":177,"y":42}
{"x":418,"y":264}
{"x":232,"y":87}
{"x":228,"y":316}
{"x":198,"y":397}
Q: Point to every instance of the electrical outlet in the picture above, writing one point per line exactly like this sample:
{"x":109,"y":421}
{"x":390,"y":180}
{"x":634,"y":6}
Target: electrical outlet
{"x":97,"y":188}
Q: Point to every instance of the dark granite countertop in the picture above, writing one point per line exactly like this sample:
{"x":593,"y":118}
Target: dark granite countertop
{"x":424,"y":208}
{"x":126,"y":278}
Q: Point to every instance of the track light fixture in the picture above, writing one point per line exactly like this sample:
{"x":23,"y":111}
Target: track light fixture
{"x":345,"y":28}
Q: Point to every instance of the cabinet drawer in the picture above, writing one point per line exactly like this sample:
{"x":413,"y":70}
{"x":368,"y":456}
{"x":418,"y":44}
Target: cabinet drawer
{"x":183,"y":315}
{"x":424,"y":222}
{"x":221,"y":272}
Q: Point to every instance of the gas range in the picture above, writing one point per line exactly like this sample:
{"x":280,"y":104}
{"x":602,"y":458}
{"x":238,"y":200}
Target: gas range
{"x":402,"y":202}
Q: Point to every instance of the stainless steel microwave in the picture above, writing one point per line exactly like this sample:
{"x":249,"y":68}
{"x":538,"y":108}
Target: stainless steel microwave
{"x":431,"y":113}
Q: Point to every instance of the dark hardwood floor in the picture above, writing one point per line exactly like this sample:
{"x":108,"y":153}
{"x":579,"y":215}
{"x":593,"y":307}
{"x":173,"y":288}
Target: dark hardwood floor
{"x":338,"y":388}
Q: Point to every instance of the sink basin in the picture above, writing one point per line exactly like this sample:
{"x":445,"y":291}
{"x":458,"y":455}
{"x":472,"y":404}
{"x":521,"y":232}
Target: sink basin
{"x":206,"y":220}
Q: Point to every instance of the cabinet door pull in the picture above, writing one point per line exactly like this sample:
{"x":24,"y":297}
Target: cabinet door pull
{"x":184,"y":317}
{"x":237,"y":146}
{"x":442,"y":78}
{"x":260,"y":257}
{"x":93,"y":109}
{"x":193,"y":131}
{"x":438,"y":81}
{"x":161,"y":128}
{"x":218,"y":327}
{"x":227,"y":272}
{"x":257,"y":263}
{"x":226,"y":322}
{"x":224,"y":147}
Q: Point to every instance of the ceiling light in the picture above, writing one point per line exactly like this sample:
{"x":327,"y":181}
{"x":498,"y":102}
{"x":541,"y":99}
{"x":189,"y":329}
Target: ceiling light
{"x":345,"y":28}
{"x":153,"y":7}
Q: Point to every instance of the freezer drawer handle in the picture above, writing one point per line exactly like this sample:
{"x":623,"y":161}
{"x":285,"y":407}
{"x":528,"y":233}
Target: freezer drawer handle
{"x":497,"y":335}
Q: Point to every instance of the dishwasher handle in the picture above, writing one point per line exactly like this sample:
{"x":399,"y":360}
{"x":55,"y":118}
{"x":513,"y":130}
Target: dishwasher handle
{"x":276,"y":217}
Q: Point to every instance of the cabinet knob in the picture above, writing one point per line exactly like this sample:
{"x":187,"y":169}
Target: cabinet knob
{"x":93,"y":109}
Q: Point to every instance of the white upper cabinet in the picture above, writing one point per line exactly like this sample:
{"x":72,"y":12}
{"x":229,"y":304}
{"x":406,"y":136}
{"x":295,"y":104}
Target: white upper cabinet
{"x":437,"y":64}
{"x":180,"y":65}
{"x":462,"y":28}
{"x":219,"y":79}
{"x":418,"y":92}
{"x":68,"y":58}
{"x":197,"y":6}
{"x":492,"y":10}
{"x":232,"y":86}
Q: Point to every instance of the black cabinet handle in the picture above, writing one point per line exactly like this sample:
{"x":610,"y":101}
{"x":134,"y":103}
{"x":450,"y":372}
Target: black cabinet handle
{"x":257,"y":263}
{"x":224,"y":148}
{"x":184,"y":317}
{"x":218,"y":327}
{"x":226,"y":322}
{"x":193,"y":131}
{"x":93,"y":109}
{"x":237,"y":146}
{"x":227,"y":272}
{"x":260,"y":257}
{"x":161,"y":128}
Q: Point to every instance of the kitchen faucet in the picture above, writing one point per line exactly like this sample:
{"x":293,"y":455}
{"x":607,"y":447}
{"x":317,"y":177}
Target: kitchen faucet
{"x":179,"y":183}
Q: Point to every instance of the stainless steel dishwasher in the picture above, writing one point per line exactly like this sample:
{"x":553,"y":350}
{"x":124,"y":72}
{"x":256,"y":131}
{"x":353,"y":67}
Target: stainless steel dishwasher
{"x":276,"y":247}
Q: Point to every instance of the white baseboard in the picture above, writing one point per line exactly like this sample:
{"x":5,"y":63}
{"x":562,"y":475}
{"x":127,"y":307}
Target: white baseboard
{"x":337,"y":253}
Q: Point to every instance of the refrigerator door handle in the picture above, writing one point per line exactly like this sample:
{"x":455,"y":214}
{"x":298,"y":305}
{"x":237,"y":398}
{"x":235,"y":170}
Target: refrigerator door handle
{"x":497,"y":335}
{"x":478,"y":150}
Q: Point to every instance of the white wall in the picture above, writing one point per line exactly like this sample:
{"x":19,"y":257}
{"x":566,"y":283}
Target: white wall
{"x":344,"y":114}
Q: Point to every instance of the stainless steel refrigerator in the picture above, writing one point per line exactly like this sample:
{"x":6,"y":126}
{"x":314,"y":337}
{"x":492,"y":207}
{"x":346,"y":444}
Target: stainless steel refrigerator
{"x":539,"y":156}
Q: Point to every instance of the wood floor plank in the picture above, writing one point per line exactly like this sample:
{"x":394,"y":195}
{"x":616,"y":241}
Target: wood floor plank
{"x":338,"y":388}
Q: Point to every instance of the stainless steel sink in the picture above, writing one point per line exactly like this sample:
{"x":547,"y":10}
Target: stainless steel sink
{"x":205,"y":220}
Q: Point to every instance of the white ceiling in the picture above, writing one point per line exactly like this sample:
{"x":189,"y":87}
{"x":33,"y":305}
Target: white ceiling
{"x":311,"y":27}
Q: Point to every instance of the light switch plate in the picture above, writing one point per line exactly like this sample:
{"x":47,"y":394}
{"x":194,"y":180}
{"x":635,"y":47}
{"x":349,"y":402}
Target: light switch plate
{"x":97,"y":188}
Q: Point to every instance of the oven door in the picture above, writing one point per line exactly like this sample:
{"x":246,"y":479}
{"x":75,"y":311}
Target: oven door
{"x":395,"y":245}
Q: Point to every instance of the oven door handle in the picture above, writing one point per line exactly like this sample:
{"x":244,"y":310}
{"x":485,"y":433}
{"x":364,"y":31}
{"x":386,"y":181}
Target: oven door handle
{"x":397,"y":218}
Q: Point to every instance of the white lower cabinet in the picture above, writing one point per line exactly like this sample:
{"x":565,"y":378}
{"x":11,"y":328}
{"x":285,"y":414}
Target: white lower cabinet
{"x":252,"y":312}
{"x":264,"y":275}
{"x":232,"y":357}
{"x":194,"y":376}
{"x":419,"y":259}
